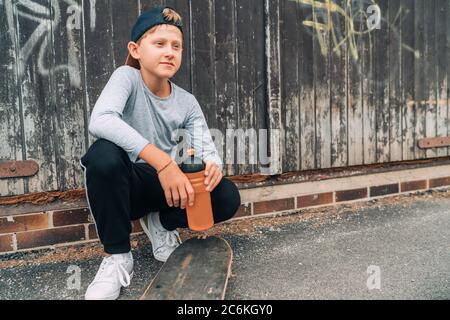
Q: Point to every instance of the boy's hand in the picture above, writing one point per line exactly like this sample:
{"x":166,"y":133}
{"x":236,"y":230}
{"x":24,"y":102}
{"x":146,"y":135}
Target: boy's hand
{"x":177,"y":187}
{"x":213,"y":175}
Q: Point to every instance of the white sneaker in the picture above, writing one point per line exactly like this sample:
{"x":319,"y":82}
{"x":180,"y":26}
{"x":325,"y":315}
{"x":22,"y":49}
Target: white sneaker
{"x":164,"y":242}
{"x":114,"y":273}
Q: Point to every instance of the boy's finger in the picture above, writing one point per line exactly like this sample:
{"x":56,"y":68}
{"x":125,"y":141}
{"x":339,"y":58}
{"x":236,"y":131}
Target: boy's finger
{"x":210,"y":165}
{"x":207,"y":168}
{"x":175,"y":197}
{"x":168,"y":195}
{"x":191,"y":194}
{"x":211,"y":174}
{"x":217,"y":181}
{"x":183,"y":197}
{"x":211,"y":184}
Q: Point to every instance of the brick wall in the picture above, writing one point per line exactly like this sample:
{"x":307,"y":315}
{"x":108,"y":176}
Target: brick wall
{"x":65,"y":227}
{"x":31,"y":231}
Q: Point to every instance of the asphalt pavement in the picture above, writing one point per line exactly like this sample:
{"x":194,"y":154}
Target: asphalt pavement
{"x":382,"y":250}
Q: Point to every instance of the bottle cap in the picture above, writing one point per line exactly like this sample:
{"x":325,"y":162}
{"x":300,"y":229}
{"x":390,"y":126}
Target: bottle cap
{"x":190,"y":151}
{"x":192,"y":164}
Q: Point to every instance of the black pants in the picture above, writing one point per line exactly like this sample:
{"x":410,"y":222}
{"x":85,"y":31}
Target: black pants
{"x":119,"y":191}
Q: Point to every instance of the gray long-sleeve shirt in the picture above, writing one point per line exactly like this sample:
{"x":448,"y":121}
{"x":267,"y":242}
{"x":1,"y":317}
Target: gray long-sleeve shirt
{"x":128,"y":114}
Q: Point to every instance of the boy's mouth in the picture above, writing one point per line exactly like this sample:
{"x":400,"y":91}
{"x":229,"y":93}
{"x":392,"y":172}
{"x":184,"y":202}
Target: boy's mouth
{"x":167,"y":63}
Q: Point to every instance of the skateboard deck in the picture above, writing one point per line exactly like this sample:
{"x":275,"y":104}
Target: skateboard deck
{"x":197,"y":270}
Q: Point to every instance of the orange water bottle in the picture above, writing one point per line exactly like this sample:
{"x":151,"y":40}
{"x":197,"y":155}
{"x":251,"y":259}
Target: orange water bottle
{"x":200,"y":216}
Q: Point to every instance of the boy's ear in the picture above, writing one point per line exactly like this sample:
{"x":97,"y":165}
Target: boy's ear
{"x":133,"y":49}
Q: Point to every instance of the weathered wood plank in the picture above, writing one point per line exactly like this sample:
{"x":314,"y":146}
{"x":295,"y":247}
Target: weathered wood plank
{"x":338,"y":87}
{"x":68,"y":108}
{"x":246,"y":50}
{"x":203,"y":68}
{"x":369,"y":96}
{"x":124,"y":15}
{"x":407,"y":82}
{"x":290,"y":84}
{"x":98,"y":53}
{"x":11,"y":124}
{"x":34,"y":69}
{"x":447,"y":67}
{"x":381,"y":52}
{"x":430,"y":80}
{"x":395,"y":104}
{"x":420,"y":94}
{"x":355,"y":82}
{"x":226,"y":79}
{"x":306,"y":78}
{"x":267,"y":121}
{"x":203,"y":56}
{"x":442,"y":13}
{"x":148,"y":4}
{"x":273,"y":78}
{"x":322,"y":54}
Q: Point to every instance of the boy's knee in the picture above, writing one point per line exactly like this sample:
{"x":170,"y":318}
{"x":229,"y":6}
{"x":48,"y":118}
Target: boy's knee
{"x":103,"y":158}
{"x":230,"y":198}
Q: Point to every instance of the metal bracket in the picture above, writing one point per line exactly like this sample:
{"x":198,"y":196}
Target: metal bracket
{"x":17,"y":169}
{"x":434,"y":142}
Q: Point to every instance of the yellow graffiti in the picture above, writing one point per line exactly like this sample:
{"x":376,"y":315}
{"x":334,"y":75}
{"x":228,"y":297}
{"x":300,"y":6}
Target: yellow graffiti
{"x":327,"y":27}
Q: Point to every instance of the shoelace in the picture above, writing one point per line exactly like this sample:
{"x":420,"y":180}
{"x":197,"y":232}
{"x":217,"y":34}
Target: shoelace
{"x":112,"y":265}
{"x":172,"y":237}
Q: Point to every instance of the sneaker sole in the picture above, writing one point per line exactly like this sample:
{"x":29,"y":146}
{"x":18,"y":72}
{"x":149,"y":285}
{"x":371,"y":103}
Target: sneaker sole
{"x":113,"y":296}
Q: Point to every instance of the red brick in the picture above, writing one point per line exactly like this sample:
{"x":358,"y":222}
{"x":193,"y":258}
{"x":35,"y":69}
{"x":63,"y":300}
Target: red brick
{"x":24,"y":223}
{"x":439,"y":182}
{"x":413,"y":185}
{"x":348,"y":195}
{"x":383,"y":190}
{"x":314,"y":200}
{"x":273,"y":205}
{"x":92,"y":232}
{"x":68,"y":217}
{"x":6,"y":243}
{"x":244,"y":211}
{"x":49,"y":237}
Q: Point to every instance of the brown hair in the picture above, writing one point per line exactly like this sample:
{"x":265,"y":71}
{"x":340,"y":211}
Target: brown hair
{"x":171,"y":15}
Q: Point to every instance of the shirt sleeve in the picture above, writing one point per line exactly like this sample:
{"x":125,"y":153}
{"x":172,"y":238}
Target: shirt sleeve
{"x":106,"y":117}
{"x":200,"y":136}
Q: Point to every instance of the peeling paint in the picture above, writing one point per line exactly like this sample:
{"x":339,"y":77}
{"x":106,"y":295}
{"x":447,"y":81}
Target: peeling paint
{"x":47,"y":19}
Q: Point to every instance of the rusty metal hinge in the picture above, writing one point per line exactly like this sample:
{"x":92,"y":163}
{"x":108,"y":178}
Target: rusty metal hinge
{"x":437,"y":142}
{"x":17,"y":169}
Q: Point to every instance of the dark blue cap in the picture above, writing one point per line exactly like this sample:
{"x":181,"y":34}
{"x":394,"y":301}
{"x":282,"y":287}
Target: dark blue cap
{"x":149,"y":19}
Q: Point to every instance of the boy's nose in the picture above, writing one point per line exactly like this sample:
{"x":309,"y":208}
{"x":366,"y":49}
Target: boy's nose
{"x":170,"y":52}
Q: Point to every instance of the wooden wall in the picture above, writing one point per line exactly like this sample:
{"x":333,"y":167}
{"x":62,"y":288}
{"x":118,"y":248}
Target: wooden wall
{"x":353,"y":96}
{"x":339,"y":93}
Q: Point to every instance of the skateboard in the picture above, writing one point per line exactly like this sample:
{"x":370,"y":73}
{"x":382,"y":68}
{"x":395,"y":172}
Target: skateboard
{"x":197,"y":270}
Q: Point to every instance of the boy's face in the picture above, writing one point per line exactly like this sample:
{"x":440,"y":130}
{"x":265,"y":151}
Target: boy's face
{"x":159,"y":52}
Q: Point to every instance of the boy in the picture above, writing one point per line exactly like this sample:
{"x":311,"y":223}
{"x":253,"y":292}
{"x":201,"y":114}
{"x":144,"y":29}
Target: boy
{"x":130,"y":172}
